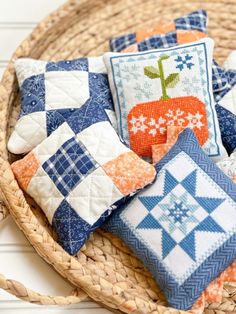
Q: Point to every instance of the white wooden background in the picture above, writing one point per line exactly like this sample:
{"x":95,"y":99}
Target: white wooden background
{"x":17,"y":259}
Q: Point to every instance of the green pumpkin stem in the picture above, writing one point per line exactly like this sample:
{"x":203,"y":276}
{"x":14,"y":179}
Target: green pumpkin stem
{"x":163,"y":82}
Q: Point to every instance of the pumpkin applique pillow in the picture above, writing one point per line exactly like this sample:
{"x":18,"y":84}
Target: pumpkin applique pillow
{"x":165,"y":87}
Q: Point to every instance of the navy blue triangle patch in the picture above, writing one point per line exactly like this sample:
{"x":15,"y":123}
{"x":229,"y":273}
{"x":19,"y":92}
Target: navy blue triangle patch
{"x":149,"y":222}
{"x":189,"y":183}
{"x":209,"y":224}
{"x":150,"y":202}
{"x":209,"y":204}
{"x":188,"y":245}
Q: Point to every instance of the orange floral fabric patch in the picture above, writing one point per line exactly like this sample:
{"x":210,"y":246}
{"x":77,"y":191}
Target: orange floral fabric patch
{"x":213,"y":293}
{"x":24,"y":169}
{"x":156,"y":30}
{"x":160,"y":150}
{"x":148,"y":122}
{"x":184,"y":37}
{"x":129,"y":172}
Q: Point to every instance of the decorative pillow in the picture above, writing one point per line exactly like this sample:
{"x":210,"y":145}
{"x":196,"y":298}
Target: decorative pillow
{"x":51,"y":92}
{"x":188,"y":29}
{"x":183,"y":227}
{"x":157,"y":88}
{"x":226,"y":107}
{"x":80,"y":173}
{"x":195,"y":21}
{"x":228,"y":166}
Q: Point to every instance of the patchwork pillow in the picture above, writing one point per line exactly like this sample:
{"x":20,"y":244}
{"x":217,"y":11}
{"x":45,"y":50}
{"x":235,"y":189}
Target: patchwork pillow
{"x":80,"y":173}
{"x":51,"y":92}
{"x":183,"y":227}
{"x":195,"y":21}
{"x":154,"y":89}
{"x":226,"y":106}
{"x":184,"y":30}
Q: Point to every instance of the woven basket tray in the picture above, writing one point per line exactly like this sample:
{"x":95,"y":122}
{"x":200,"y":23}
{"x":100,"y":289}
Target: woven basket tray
{"x":105,"y":268}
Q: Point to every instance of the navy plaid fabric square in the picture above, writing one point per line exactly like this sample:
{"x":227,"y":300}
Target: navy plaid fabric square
{"x":119,"y":43}
{"x":158,"y":41}
{"x":69,"y":165}
{"x":195,"y":21}
{"x":231,"y":82}
{"x":219,"y":77}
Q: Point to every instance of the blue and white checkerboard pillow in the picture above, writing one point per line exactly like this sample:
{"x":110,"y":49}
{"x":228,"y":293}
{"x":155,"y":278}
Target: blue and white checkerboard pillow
{"x":183,"y":227}
{"x":51,"y":92}
{"x":80,"y":173}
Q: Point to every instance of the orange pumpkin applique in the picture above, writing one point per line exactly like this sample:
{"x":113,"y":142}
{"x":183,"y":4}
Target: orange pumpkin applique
{"x":147,"y":122}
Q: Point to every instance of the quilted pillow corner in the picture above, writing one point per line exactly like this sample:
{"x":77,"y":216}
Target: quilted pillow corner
{"x":80,"y":173}
{"x":183,"y":226}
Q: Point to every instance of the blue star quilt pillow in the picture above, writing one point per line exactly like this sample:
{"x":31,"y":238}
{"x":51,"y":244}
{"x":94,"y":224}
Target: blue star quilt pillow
{"x":158,"y":88}
{"x":183,"y":226}
{"x":80,"y":173}
{"x":51,"y":92}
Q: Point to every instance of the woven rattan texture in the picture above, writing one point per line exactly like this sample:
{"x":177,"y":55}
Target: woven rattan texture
{"x":105,"y":269}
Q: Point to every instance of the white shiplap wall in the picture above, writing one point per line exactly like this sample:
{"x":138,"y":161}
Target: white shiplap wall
{"x":17,"y":258}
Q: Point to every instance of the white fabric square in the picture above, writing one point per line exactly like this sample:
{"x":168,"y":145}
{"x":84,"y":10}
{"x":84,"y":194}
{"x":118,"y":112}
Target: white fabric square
{"x":45,"y":193}
{"x":230,"y":63}
{"x":181,"y":262}
{"x":102,"y":142}
{"x":66,"y":89}
{"x":229,"y":100}
{"x":52,"y":143}
{"x":93,"y":196}
{"x":181,"y":166}
{"x":26,"y":68}
{"x":96,"y":65}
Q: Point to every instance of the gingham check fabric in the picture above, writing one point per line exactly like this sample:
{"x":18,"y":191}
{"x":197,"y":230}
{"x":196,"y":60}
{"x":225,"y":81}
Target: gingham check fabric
{"x":69,"y":165}
{"x":177,"y":226}
{"x":196,"y":20}
{"x":226,"y":111}
{"x":51,"y":92}
{"x":80,"y":173}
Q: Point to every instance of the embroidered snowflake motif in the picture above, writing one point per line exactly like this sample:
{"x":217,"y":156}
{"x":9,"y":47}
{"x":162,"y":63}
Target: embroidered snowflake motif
{"x":157,"y":126}
{"x":143,"y":91}
{"x":195,"y":120}
{"x":175,"y":118}
{"x":178,"y":212}
{"x":184,"y":62}
{"x":138,"y":124}
{"x":130,"y":72}
{"x":191,"y":85}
